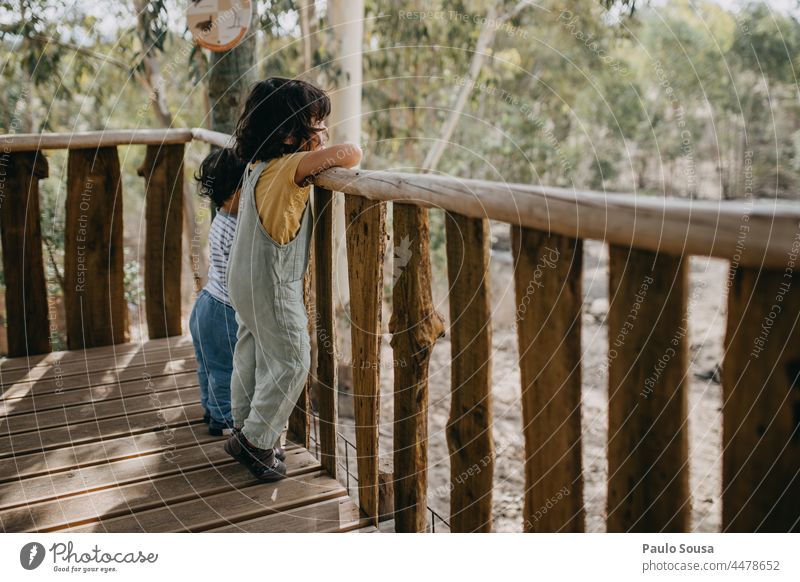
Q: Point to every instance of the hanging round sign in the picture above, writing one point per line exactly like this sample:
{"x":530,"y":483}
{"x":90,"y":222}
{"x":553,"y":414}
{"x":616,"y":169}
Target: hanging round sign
{"x":218,"y":25}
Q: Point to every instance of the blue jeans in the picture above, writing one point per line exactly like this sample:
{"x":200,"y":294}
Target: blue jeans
{"x":213,"y":327}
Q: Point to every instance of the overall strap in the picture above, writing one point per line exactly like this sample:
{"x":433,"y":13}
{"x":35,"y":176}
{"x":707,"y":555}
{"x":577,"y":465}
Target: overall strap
{"x":251,"y":175}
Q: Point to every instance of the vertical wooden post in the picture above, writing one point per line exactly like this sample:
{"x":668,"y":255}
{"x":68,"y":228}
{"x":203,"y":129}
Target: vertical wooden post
{"x":326,"y":328}
{"x":163,"y":173}
{"x":548,"y":271}
{"x":648,"y":459}
{"x":300,"y":419}
{"x":23,"y":266}
{"x":366,"y":237}
{"x":415,"y":326}
{"x":94,"y":297}
{"x":761,"y":405}
{"x":469,"y":427}
{"x":385,"y":490}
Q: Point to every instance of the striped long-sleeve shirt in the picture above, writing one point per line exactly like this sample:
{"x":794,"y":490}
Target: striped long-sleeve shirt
{"x":220,"y":239}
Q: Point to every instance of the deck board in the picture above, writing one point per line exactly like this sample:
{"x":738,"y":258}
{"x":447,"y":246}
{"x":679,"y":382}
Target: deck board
{"x":96,"y":410}
{"x":53,"y":438}
{"x":90,"y":394}
{"x":334,"y":515}
{"x":218,"y":475}
{"x":159,"y":346}
{"x":220,"y":509}
{"x":96,"y":377}
{"x":112,"y":474}
{"x":119,"y":445}
{"x":110,"y":449}
{"x":79,"y":367}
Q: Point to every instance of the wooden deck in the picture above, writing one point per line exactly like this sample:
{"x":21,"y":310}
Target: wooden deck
{"x":111,"y":439}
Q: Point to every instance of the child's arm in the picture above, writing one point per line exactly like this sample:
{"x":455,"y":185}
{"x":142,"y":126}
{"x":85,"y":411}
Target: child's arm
{"x":345,"y":155}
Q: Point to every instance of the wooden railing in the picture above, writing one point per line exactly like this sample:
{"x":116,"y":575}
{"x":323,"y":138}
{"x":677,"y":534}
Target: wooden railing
{"x":94,"y":297}
{"x":650,"y":241}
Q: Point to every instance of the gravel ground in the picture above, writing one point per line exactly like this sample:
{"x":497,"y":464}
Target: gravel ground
{"x":706,"y":318}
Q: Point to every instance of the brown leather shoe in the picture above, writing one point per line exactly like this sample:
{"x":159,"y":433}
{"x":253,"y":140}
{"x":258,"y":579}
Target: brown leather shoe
{"x":262,"y":463}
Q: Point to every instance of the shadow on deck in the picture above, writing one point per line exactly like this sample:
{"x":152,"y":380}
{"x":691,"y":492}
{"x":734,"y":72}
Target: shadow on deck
{"x":111,"y":439}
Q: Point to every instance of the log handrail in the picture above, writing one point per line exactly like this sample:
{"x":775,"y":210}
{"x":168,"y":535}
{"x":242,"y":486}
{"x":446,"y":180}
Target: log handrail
{"x":30,"y":142}
{"x":670,"y":225}
{"x":663,"y":224}
{"x":649,"y":239}
{"x":753,"y":233}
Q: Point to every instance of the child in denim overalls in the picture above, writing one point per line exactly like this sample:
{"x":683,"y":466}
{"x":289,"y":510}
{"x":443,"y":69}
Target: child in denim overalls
{"x":213,"y":321}
{"x":282,"y":133}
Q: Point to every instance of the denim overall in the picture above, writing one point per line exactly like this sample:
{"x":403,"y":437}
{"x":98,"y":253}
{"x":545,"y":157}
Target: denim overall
{"x":273,"y":350}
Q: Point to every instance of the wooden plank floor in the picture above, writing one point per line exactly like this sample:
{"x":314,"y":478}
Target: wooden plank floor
{"x":111,"y":439}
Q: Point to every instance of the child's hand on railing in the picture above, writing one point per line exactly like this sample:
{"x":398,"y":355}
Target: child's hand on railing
{"x":346,"y":155}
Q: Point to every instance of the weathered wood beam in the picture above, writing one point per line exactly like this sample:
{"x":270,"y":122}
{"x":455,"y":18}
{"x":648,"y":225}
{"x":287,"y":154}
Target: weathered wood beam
{"x":548,"y":271}
{"x":415,"y":326}
{"x":216,"y":138}
{"x":761,"y":401}
{"x":162,"y":170}
{"x":469,"y":427}
{"x":666,"y":225}
{"x":94,"y":294}
{"x":324,"y":316}
{"x":26,"y":142}
{"x":648,"y":453}
{"x":366,"y":236}
{"x":23,"y":266}
{"x":300,"y":419}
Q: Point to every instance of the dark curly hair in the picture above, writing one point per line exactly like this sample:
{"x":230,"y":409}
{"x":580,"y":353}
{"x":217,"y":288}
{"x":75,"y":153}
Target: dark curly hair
{"x":220,"y":175}
{"x":278,"y":118}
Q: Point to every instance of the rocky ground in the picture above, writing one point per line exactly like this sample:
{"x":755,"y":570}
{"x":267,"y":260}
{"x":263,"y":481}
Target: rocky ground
{"x":707,"y":316}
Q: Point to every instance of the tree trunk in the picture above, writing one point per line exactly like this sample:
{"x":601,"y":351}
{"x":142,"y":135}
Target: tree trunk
{"x":153,"y":83}
{"x":308,"y":32}
{"x":485,"y":40}
{"x":230,"y":76}
{"x":347,"y":24}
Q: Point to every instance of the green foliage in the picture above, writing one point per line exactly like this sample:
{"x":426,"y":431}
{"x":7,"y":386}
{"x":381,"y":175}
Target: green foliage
{"x":767,"y":43}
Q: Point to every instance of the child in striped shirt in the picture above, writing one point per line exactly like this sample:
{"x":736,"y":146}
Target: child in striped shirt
{"x":213,"y":321}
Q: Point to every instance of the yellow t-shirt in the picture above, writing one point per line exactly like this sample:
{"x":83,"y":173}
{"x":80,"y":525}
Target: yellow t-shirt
{"x":281,"y":202}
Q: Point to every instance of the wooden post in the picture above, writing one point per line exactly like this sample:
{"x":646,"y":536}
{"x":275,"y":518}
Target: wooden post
{"x":548,"y":271}
{"x":469,"y":427}
{"x":326,"y":328}
{"x":385,"y":492}
{"x":366,"y":236}
{"x":299,"y":429}
{"x":300,"y":419}
{"x":648,"y":460}
{"x":23,"y":266}
{"x":761,"y":405}
{"x":415,"y":326}
{"x":163,"y":173}
{"x":94,"y":297}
